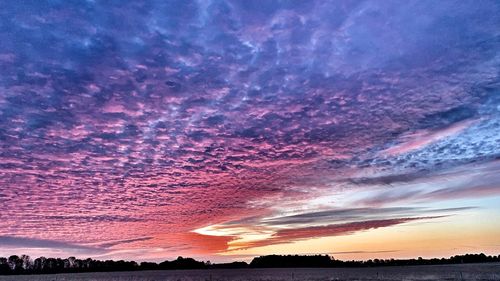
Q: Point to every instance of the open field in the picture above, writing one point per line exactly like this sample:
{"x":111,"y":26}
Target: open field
{"x":478,"y":272}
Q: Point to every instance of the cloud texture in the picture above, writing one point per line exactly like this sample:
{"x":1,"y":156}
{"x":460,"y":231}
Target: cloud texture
{"x":160,"y":118}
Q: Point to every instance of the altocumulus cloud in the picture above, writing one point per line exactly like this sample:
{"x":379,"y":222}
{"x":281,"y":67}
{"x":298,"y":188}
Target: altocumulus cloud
{"x":192,"y":115}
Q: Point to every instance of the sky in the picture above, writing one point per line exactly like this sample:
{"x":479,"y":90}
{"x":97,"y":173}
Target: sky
{"x":223,"y":130}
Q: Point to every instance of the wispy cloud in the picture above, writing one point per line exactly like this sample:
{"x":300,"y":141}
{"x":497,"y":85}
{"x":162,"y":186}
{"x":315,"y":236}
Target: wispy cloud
{"x":297,"y":234}
{"x":30,"y":243}
{"x":467,"y":181}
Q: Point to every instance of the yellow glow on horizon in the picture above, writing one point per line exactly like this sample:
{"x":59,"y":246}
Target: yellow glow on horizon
{"x":438,"y":238}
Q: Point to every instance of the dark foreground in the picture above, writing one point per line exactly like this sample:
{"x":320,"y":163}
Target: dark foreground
{"x":476,"y":272}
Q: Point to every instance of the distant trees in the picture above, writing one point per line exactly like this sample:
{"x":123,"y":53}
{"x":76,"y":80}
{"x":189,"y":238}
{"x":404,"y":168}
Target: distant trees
{"x":236,"y":264}
{"x":327,"y":261}
{"x":25,"y":265}
{"x":292,"y":261}
{"x":182,"y":263}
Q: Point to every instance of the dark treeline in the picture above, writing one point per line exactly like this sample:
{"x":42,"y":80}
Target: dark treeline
{"x":328,"y":261}
{"x":25,"y":265}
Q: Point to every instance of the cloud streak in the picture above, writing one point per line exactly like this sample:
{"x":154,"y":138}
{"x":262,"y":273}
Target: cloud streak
{"x":297,"y":234}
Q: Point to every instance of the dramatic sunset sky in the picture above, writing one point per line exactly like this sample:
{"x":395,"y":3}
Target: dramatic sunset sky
{"x":222,"y":130}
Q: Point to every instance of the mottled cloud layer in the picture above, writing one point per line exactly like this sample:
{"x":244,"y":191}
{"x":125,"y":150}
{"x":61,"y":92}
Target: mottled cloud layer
{"x":165,"y":123}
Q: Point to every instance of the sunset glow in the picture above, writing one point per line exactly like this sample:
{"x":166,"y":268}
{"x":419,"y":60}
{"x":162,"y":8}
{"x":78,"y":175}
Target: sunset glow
{"x":224,"y":130}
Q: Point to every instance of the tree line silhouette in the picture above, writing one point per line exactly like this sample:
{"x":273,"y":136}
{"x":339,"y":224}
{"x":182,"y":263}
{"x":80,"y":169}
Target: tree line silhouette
{"x":14,"y":265}
{"x":274,"y":261}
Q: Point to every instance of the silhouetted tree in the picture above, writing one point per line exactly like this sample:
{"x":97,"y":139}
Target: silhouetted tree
{"x":16,"y":264}
{"x":4,"y":266}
